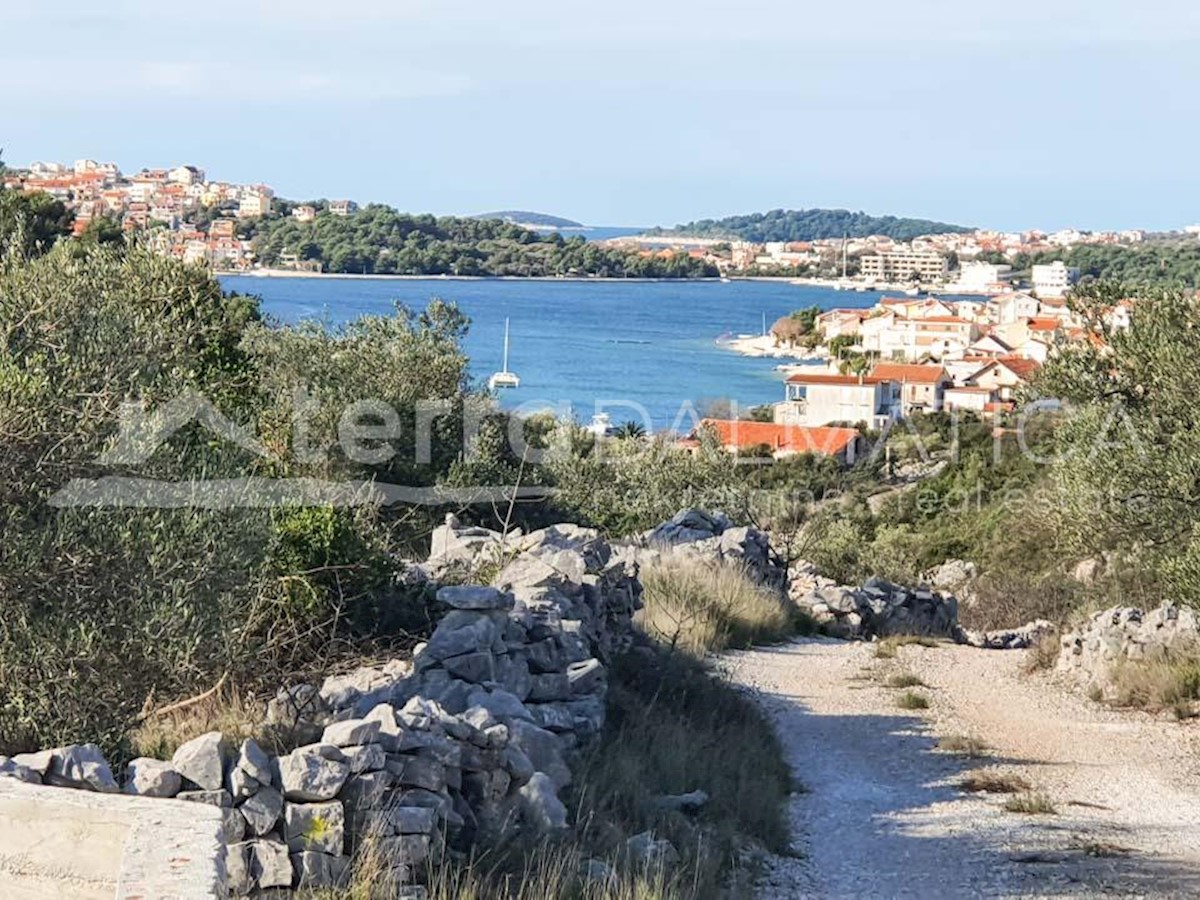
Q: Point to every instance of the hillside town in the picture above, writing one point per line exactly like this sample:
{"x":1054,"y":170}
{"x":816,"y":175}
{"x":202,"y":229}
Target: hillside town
{"x":904,"y":356}
{"x":181,"y":211}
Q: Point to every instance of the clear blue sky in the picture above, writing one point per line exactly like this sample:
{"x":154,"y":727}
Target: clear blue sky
{"x":1027,"y":113}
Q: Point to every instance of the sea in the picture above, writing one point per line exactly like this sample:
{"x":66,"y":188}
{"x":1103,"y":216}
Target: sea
{"x":645,"y":351}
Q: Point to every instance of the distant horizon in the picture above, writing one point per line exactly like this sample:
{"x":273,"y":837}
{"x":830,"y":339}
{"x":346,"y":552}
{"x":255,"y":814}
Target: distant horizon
{"x":586,"y":224}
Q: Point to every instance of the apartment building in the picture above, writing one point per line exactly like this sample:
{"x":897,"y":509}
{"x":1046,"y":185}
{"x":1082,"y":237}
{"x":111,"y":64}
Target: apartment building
{"x":905,"y":265}
{"x":1054,"y":280}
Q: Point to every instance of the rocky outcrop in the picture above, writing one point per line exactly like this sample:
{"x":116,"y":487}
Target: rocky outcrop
{"x":876,"y":609}
{"x":1020,"y":638}
{"x":1122,"y":635}
{"x":711,"y":537}
{"x":468,"y":740}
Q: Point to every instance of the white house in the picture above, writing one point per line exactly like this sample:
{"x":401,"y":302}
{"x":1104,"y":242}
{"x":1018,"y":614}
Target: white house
{"x":819,"y":399}
{"x":1009,"y":308}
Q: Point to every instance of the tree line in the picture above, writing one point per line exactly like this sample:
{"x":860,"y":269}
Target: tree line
{"x":380,"y":240}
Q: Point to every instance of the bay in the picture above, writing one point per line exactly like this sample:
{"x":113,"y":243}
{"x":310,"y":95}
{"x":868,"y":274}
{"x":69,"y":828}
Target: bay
{"x":640,"y":350}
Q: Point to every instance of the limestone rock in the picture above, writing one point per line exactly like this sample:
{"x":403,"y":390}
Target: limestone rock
{"x":202,"y":761}
{"x":474,"y":597}
{"x":319,"y":870}
{"x":540,"y":804}
{"x":501,"y":704}
{"x":307,"y":775}
{"x":10,"y":768}
{"x":411,"y":819}
{"x":262,"y":810}
{"x":81,"y":766}
{"x":542,"y":749}
{"x":351,"y":732}
{"x":151,"y":778}
{"x":316,"y":827}
{"x":269,"y":864}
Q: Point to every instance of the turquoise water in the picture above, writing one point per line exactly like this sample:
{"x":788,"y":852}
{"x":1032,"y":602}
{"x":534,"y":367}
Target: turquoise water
{"x":639,"y":350}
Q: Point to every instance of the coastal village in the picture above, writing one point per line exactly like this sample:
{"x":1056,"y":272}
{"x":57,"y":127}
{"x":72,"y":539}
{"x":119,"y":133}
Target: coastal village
{"x":907,"y":354}
{"x":903,"y":356}
{"x":189,"y":216}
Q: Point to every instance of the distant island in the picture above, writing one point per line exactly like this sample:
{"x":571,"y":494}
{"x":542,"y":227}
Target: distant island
{"x":809,"y":225}
{"x":535,"y":219}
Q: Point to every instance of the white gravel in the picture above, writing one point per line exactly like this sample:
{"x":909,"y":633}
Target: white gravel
{"x":883,"y":816}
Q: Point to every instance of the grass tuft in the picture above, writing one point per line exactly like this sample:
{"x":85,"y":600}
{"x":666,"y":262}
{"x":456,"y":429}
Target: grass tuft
{"x":1030,"y":803}
{"x":912,"y":700}
{"x":701,"y":608}
{"x":1158,"y":684}
{"x":982,"y":781}
{"x":888,"y":647}
{"x":904,"y":680}
{"x":963,"y":745}
{"x":1042,"y":655}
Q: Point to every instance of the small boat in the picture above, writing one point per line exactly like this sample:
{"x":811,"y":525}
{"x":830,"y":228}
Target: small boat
{"x":600,"y":426}
{"x":504,"y":378}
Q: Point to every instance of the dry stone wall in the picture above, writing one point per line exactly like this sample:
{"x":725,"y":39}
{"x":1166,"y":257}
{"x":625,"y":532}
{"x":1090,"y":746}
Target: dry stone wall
{"x":1121,"y":635}
{"x":470,"y":739}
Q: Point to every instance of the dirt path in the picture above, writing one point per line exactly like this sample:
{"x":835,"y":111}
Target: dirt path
{"x":884,"y":816}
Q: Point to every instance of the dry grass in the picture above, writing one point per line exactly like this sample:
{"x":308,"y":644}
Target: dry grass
{"x":963,"y":744}
{"x":912,"y":700}
{"x":1158,"y":684}
{"x":904,"y":680}
{"x":1042,"y":656}
{"x":701,"y":608}
{"x":983,"y":781}
{"x":888,"y":647}
{"x":234,"y":715}
{"x":529,"y":872}
{"x":1030,"y":803}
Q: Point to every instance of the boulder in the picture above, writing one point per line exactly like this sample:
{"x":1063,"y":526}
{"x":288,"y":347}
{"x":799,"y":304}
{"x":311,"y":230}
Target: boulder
{"x":315,"y":827}
{"x":270,"y":866}
{"x":262,"y":810}
{"x":411,"y":819}
{"x":202,"y":761}
{"x":540,"y":805}
{"x":351,"y":732}
{"x":476,"y":598}
{"x":319,"y":870}
{"x":237,"y":870}
{"x":500,"y":704}
{"x":151,"y":778}
{"x":542,"y":749}
{"x":81,"y":766}
{"x":308,"y":775}
{"x":10,"y":768}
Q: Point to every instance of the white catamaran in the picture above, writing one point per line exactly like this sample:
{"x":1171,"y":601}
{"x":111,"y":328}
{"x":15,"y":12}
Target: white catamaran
{"x":504,"y":378}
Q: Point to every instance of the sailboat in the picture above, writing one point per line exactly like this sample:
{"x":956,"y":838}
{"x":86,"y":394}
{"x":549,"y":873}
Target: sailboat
{"x":504,"y":378}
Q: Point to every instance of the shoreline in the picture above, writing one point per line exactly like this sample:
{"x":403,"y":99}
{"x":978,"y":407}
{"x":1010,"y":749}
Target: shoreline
{"x":825,"y":283}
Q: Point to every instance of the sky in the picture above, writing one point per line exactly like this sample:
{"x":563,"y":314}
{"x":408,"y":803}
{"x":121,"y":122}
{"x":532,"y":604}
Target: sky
{"x":1022,"y":114}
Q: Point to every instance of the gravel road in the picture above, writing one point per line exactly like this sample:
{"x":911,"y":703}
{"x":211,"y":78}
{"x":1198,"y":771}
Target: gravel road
{"x":883,"y":815}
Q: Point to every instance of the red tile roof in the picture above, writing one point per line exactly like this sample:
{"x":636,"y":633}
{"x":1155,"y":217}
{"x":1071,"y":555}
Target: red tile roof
{"x":1020,"y":366}
{"x":1044,"y":323}
{"x":795,"y":438}
{"x":909,"y":372}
